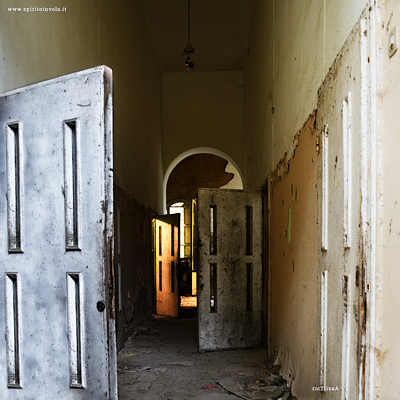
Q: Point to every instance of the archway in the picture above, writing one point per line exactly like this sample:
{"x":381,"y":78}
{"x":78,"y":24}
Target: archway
{"x":197,"y":150}
{"x":199,"y":167}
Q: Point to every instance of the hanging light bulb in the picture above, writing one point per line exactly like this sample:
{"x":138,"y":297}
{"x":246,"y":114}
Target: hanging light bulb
{"x":189,"y":62}
{"x":189,"y":49}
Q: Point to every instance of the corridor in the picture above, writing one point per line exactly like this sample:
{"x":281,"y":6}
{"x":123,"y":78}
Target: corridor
{"x":160,"y":361}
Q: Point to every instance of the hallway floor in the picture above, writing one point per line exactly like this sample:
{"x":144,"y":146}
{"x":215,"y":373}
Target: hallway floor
{"x":160,"y":361}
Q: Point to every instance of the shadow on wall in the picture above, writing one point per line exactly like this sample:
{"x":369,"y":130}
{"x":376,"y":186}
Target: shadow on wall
{"x":133,"y":264}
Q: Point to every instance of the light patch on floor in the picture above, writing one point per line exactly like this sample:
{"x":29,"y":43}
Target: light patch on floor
{"x":188,"y":301}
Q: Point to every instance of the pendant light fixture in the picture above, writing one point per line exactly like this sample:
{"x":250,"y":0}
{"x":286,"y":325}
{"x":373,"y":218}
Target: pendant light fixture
{"x":189,"y":49}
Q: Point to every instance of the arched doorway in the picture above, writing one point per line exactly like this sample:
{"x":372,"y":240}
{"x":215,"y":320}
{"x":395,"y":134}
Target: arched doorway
{"x":200,"y":167}
{"x":232,"y":165}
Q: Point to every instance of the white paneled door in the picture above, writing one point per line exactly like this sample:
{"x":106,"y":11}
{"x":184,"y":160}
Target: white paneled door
{"x":57,"y":335}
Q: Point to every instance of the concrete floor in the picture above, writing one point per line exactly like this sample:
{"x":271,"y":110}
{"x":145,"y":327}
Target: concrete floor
{"x":160,"y":361}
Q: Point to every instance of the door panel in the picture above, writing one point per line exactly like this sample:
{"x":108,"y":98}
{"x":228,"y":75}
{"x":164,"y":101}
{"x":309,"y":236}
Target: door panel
{"x":56,"y":289}
{"x":229,"y":283}
{"x":339,"y":118}
{"x":166,"y":240}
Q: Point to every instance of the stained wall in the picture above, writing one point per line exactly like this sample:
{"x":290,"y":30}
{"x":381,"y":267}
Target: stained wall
{"x":294,"y":264}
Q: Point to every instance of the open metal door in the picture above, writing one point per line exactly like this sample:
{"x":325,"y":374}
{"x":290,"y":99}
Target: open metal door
{"x":229,"y":277}
{"x":57,"y":335}
{"x":166,"y":260}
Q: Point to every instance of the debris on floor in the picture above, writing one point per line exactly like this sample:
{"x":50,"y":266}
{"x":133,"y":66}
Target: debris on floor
{"x":233,"y":387}
{"x":165,"y":364}
{"x":181,"y":363}
{"x":210,"y":386}
{"x":261,"y":391}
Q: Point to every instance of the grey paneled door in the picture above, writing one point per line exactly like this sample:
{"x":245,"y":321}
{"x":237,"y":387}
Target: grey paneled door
{"x":229,"y":278}
{"x":57,"y":338}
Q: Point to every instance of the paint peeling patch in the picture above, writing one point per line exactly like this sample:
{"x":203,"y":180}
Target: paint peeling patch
{"x":282,"y":168}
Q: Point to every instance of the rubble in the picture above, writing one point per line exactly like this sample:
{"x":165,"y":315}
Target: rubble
{"x":164,"y":365}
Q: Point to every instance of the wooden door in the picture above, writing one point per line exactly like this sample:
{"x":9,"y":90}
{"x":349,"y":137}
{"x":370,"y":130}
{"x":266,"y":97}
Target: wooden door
{"x":166,"y":248}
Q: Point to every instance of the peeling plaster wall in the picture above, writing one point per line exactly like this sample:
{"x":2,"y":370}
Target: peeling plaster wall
{"x":388,"y":273}
{"x":36,"y":46}
{"x":203,"y":109}
{"x":294,"y":263}
{"x":293,"y":44}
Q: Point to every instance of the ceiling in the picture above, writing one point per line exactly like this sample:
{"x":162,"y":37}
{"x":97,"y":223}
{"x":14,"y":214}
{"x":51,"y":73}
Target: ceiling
{"x":219,"y":31}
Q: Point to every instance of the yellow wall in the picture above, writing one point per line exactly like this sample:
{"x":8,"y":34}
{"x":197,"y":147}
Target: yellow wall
{"x":35,"y":46}
{"x":294,"y":266}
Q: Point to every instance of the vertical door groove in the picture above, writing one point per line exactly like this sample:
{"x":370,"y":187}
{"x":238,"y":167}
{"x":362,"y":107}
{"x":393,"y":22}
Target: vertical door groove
{"x":160,"y":241}
{"x":172,"y":240}
{"x":14,"y":187}
{"x":213,"y":230}
{"x":172,"y":276}
{"x":347,"y":169}
{"x":346,"y":337}
{"x":119,"y":287}
{"x":324,"y":326}
{"x":249,"y":285}
{"x":249,"y":230}
{"x":325,"y":186}
{"x":75,"y":317}
{"x":160,"y":274}
{"x":213,"y":287}
{"x":72,"y":184}
{"x":12,"y":302}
